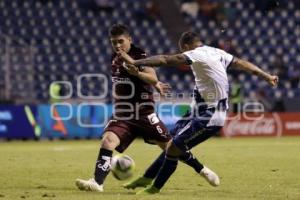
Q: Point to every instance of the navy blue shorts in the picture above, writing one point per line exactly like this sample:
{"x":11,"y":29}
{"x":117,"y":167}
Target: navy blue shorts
{"x":192,"y":130}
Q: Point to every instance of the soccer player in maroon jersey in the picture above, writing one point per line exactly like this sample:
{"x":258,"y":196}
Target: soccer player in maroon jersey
{"x":134,"y":114}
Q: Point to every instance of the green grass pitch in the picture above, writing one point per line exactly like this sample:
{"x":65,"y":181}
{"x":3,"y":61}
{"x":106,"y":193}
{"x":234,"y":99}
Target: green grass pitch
{"x":250,"y":168}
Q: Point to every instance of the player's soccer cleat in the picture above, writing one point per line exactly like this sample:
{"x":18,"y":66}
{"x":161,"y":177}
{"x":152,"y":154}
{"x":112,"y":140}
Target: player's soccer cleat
{"x":211,"y":177}
{"x":148,"y":190}
{"x":139,"y":182}
{"x":89,"y":185}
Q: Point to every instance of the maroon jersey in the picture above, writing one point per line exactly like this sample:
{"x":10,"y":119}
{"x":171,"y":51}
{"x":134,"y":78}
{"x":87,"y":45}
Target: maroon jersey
{"x":132,"y":96}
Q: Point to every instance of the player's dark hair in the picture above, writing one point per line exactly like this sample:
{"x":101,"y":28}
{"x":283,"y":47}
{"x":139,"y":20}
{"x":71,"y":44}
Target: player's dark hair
{"x":188,"y":37}
{"x":118,"y":29}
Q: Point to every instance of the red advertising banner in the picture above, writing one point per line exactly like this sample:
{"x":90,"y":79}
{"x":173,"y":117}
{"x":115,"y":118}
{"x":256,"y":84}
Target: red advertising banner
{"x":262,"y":124}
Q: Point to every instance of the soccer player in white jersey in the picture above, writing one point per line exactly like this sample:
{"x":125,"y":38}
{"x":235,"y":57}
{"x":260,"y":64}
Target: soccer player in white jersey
{"x":208,"y":112}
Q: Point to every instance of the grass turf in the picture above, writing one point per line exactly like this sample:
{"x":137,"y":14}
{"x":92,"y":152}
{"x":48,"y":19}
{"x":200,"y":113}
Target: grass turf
{"x":250,"y":168}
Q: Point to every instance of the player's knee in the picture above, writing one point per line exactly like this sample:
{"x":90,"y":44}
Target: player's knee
{"x":110,"y":141}
{"x":162,"y":145}
{"x":173,"y":150}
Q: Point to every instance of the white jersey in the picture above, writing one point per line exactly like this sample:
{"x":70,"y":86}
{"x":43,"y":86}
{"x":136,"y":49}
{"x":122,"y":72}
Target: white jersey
{"x":209,"y":68}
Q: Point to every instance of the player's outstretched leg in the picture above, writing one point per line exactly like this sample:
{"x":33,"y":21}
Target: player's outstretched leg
{"x":189,"y":159}
{"x":211,"y":177}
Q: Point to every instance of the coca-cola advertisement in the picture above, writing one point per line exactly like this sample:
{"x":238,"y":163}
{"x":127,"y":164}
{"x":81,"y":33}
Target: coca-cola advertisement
{"x":262,"y":124}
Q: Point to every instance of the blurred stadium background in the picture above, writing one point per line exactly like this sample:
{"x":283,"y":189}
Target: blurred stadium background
{"x":60,"y":48}
{"x":66,"y":43}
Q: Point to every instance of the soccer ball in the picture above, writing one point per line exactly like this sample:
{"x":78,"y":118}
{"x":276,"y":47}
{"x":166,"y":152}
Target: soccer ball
{"x":122,"y":166}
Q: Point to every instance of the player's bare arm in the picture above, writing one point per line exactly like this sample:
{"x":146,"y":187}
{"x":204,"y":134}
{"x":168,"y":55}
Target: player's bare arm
{"x":159,"y":60}
{"x":251,"y":68}
{"x":163,"y":60}
{"x":163,"y":88}
{"x":149,"y":76}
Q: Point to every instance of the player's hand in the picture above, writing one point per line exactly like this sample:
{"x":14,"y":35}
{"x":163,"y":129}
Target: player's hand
{"x":273,"y":80}
{"x":126,"y":57}
{"x":162,"y":88}
{"x":131,"y":69}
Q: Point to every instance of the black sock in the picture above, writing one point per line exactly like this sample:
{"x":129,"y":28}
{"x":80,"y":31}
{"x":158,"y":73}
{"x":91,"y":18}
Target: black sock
{"x":152,"y":171}
{"x":102,"y":167}
{"x":166,"y":171}
{"x":189,"y":159}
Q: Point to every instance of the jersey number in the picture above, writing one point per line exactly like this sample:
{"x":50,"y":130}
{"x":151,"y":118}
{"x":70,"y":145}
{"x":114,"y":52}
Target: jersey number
{"x":159,"y":129}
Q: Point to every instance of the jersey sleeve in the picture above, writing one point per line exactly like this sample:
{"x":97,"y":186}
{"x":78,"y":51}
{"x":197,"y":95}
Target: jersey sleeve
{"x":190,"y":56}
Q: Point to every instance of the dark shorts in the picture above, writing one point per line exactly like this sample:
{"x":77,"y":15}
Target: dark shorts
{"x":191,"y":130}
{"x":150,"y":127}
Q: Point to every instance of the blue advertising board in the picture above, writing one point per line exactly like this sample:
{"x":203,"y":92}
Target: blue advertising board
{"x":14,"y":123}
{"x":64,"y":120}
{"x":72,"y":121}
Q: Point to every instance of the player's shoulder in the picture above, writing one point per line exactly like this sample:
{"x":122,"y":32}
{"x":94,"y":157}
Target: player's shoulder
{"x":200,"y":49}
{"x":215,"y":50}
{"x":207,"y":48}
{"x":196,"y":52}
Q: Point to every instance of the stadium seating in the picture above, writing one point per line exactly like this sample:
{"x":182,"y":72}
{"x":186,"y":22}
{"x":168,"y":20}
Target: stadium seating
{"x":258,"y":36}
{"x":59,"y":40}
